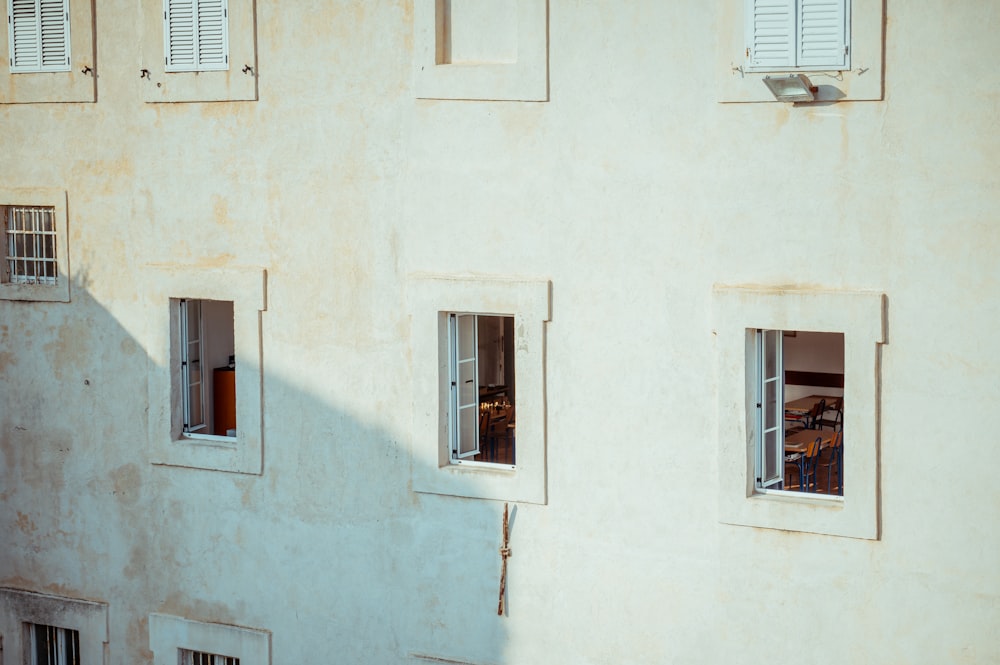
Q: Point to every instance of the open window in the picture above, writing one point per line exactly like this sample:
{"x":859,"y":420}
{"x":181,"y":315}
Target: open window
{"x":482,"y":383}
{"x":799,"y":402}
{"x":207,"y":368}
{"x":784,"y":349}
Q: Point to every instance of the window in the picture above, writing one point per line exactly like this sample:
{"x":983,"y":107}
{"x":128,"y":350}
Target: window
{"x":199,"y":51}
{"x":797,"y":34}
{"x":475,"y":341}
{"x":782,"y":348}
{"x":471,"y":49}
{"x":836,"y":43}
{"x":207,"y":368}
{"x":50,"y":44}
{"x":188,"y":657}
{"x":789,"y":413}
{"x":178,"y":641}
{"x":481,"y":403}
{"x":48,"y":645}
{"x":30,"y":232}
{"x":195,"y":35}
{"x":205,"y":383}
{"x":35,"y":266}
{"x":52,"y":630}
{"x":39,"y":35}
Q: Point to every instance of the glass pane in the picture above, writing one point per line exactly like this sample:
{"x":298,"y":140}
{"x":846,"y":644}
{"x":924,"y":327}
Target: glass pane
{"x":194,"y":395}
{"x":770,"y":405}
{"x":466,"y":335}
{"x":194,"y":319}
{"x":468,"y":391}
{"x":468,"y":430}
{"x":771,"y":338}
{"x":771,"y":456}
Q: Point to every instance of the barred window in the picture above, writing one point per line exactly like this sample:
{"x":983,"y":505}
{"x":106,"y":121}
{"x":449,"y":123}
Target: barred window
{"x":50,"y":645}
{"x":189,"y":657}
{"x":31,"y":245}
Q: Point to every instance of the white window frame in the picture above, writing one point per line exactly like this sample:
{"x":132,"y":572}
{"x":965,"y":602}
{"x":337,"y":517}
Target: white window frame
{"x":63,"y":639}
{"x":235,"y":80}
{"x":738,"y":313}
{"x":45,"y":290}
{"x":245,"y":287}
{"x":44,"y":29}
{"x":431,"y":301}
{"x":524,"y":79}
{"x":170,"y":636}
{"x":194,"y":657}
{"x":19,"y":608}
{"x":72,"y":78}
{"x":182,"y":23}
{"x":775,"y":433}
{"x":859,"y":77}
{"x":787,"y":24}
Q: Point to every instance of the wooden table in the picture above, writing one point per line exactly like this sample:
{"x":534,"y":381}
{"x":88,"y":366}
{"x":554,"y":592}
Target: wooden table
{"x":796,"y":442}
{"x":805,"y":404}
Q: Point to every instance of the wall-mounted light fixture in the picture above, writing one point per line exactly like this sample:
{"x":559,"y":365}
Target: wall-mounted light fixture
{"x":791,"y":88}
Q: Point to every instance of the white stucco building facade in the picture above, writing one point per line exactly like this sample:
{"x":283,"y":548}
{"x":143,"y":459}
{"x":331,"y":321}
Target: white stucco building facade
{"x":613,"y":178}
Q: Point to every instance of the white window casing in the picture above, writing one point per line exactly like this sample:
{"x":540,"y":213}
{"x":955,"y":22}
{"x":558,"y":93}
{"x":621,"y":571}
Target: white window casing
{"x":38,"y":33}
{"x":738,"y":313}
{"x":174,"y":639}
{"x":49,"y":51}
{"x":245,"y":288}
{"x":431,"y":300}
{"x":21,"y":609}
{"x":770,"y":407}
{"x":199,"y":51}
{"x":464,"y":399}
{"x":195,"y":35}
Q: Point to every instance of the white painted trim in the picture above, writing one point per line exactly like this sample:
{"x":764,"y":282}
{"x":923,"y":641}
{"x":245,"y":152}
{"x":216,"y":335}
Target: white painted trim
{"x":860,"y":316}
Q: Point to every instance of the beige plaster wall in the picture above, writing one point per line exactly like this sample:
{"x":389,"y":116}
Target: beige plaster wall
{"x":633,"y":191}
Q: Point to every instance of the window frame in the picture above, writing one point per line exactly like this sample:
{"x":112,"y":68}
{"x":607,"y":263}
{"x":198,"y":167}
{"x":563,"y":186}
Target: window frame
{"x":431,"y":299}
{"x":56,"y":199}
{"x":795,"y":30}
{"x":861,"y":78}
{"x":19,"y":608}
{"x":738,"y":312}
{"x":170,"y":635}
{"x":236,"y":82}
{"x":76,"y":82}
{"x":246,"y":288}
{"x":525,"y":79}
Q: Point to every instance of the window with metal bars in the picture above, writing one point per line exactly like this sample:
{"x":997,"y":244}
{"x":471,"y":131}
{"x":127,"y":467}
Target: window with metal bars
{"x":191,"y":657}
{"x":38,"y":32}
{"x":49,"y":645}
{"x":30,"y":234}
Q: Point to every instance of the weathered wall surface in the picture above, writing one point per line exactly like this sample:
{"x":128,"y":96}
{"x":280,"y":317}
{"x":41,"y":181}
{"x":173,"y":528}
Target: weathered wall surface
{"x":634,"y":191}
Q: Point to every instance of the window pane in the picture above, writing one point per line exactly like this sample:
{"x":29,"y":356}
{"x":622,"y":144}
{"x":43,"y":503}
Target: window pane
{"x":770,"y":405}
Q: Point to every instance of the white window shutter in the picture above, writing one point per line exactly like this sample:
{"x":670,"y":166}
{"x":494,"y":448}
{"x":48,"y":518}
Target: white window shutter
{"x":770,"y":408}
{"x":770,"y":33}
{"x":823,"y":34}
{"x":464,"y":407}
{"x":213,"y":37}
{"x":38,"y":32}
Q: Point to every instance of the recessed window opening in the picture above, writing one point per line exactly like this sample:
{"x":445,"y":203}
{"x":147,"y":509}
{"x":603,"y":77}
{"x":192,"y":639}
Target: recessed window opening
{"x":207,"y":368}
{"x":189,"y":657}
{"x":799,"y":403}
{"x":482,"y":391}
{"x":49,"y":645}
{"x":30,"y":234}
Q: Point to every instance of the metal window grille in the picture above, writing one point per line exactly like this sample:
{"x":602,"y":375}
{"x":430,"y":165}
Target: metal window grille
{"x":31,"y":245}
{"x":190,"y":657}
{"x":50,"y":645}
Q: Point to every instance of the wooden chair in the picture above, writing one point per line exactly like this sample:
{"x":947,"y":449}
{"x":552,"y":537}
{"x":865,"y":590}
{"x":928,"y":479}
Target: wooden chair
{"x":812,"y":418}
{"x":835,"y":458}
{"x":805,"y":465}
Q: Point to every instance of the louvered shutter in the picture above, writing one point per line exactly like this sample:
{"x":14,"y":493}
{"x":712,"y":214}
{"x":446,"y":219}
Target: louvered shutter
{"x":38,"y":32}
{"x":822,"y":33}
{"x":770,"y":33}
{"x":196,"y":35}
